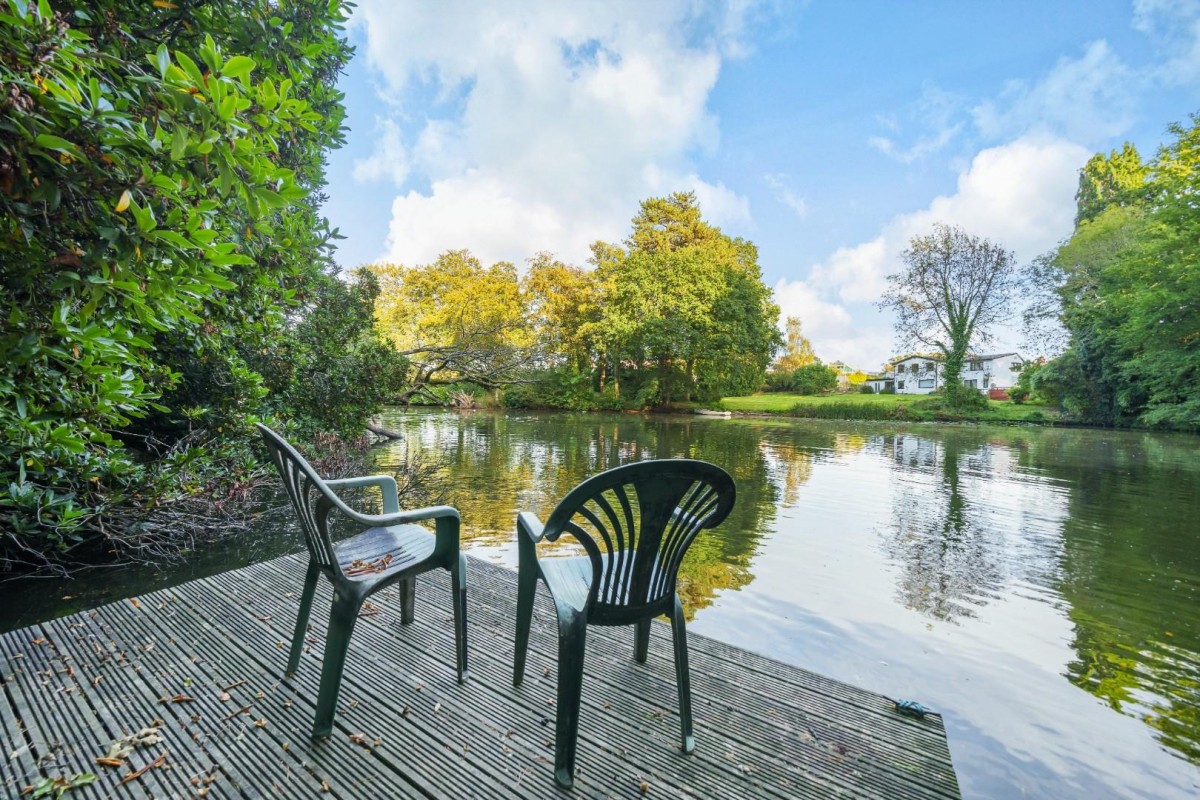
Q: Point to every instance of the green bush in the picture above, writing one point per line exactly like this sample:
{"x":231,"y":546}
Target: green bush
{"x":866,"y":389}
{"x":160,"y":168}
{"x":815,"y":378}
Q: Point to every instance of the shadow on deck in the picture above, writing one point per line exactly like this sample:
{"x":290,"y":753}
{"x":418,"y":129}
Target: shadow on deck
{"x":204,"y":662}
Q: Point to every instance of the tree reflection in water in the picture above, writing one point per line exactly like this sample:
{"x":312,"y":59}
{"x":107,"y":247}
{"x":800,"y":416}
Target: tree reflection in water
{"x":499,"y":464}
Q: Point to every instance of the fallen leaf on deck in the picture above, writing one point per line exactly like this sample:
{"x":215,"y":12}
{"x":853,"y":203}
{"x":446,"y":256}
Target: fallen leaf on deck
{"x":133,"y":776}
{"x":179,"y":698}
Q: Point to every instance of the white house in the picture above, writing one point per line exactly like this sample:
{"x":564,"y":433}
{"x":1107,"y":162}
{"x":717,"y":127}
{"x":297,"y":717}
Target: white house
{"x":996,"y":371}
{"x":917,"y":374}
{"x":923,"y":374}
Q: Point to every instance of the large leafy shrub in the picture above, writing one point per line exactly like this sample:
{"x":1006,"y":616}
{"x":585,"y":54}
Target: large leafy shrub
{"x":159,"y":173}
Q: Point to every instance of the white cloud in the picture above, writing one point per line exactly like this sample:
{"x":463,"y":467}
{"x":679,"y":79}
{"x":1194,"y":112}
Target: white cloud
{"x":1085,"y":99}
{"x":388,"y":162}
{"x":1174,"y":26}
{"x":556,"y":119}
{"x":1020,"y":195}
{"x":936,"y":112}
{"x":781,"y":186}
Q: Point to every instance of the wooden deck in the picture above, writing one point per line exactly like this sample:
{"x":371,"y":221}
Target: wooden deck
{"x":204,"y":662}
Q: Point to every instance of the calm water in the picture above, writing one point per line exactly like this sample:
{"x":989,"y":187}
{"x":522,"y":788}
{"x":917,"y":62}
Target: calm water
{"x":1039,"y":587}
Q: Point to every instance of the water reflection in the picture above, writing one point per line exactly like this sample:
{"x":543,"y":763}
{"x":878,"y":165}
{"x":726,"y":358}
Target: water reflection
{"x":947,"y":530}
{"x":497,"y":465}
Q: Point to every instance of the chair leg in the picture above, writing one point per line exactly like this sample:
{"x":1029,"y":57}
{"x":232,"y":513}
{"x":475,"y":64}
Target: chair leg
{"x":342,"y":617}
{"x":682,"y":681}
{"x":572,"y":631}
{"x":641,"y":640}
{"x":306,"y":601}
{"x":408,"y":600}
{"x":527,"y":579}
{"x":458,"y":588}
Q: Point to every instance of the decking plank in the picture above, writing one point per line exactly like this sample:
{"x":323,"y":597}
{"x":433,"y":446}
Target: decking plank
{"x":763,"y":728}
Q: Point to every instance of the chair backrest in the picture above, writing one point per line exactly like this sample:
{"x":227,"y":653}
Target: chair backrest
{"x":311,"y":498}
{"x":636,"y":523}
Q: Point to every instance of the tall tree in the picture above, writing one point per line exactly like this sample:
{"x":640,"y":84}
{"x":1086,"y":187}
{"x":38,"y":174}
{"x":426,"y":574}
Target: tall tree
{"x":799,"y":350}
{"x":1117,"y":178}
{"x":686,"y":304}
{"x":562,"y":300}
{"x":954,"y":289}
{"x":1125,"y":288}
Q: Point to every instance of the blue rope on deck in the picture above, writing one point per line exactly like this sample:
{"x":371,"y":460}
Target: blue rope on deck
{"x":911,"y":708}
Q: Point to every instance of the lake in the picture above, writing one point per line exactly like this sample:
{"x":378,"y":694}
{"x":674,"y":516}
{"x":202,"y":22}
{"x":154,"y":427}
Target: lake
{"x":1039,"y":587}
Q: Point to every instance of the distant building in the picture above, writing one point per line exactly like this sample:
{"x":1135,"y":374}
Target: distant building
{"x":880,"y":383}
{"x":924,"y":373}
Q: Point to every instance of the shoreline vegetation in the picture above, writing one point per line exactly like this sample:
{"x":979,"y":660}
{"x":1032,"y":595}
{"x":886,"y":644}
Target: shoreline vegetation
{"x":893,"y":407}
{"x":849,"y":406}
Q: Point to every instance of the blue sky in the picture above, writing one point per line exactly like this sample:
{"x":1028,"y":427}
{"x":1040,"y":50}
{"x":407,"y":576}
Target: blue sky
{"x":828,"y":133}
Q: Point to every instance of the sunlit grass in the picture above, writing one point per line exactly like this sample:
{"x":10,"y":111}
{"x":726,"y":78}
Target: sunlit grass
{"x":884,"y":406}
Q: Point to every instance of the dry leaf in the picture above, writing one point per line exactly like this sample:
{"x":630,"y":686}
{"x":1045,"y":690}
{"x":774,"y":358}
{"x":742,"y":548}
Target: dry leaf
{"x":133,"y":776}
{"x":179,"y":698}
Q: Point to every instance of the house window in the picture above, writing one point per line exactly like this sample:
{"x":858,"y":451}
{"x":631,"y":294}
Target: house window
{"x":975,"y":366}
{"x":913,"y":368}
{"x":927,"y":383}
{"x":1015,"y":366}
{"x":899,"y":384}
{"x":985,"y":381}
{"x":929,"y":366}
{"x":971,"y":384}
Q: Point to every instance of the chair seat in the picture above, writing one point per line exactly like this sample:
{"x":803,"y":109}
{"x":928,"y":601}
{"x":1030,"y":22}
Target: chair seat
{"x":569,"y":579}
{"x":382,"y":551}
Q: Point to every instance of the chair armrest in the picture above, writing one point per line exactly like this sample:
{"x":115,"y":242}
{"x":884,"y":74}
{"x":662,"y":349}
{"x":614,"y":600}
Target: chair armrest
{"x":529,"y":526}
{"x":386,"y":484}
{"x":400,"y":517}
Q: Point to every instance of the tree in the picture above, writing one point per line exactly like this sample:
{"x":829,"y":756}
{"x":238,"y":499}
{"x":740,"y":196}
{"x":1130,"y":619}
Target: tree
{"x":799,"y":350}
{"x":955,"y":287}
{"x":685,"y":305}
{"x":562,"y":300}
{"x":456,"y":320}
{"x":1115,"y":179}
{"x":1124,"y":288}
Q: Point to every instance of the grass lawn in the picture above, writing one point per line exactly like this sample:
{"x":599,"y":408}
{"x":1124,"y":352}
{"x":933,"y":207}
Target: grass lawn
{"x":883,"y":406}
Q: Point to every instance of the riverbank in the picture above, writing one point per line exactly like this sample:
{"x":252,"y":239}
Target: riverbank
{"x":895,"y":407}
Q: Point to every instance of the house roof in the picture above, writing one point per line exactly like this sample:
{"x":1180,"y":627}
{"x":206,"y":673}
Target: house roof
{"x":991,"y":356}
{"x":940,"y":357}
{"x":926,"y":356}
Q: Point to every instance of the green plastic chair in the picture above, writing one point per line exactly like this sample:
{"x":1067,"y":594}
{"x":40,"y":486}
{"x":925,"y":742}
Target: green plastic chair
{"x":391,"y":550}
{"x":635,"y":523}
